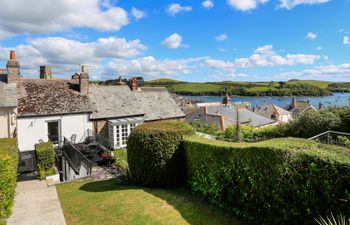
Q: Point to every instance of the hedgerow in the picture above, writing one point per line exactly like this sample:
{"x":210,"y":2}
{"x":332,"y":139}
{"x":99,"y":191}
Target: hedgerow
{"x":45,"y":159}
{"x":8,"y":175}
{"x":155,"y":157}
{"x":280,"y":181}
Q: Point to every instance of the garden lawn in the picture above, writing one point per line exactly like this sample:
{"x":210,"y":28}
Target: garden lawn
{"x":106,"y":202}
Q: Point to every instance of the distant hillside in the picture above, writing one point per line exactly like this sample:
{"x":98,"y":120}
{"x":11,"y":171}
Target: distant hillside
{"x":292,"y":87}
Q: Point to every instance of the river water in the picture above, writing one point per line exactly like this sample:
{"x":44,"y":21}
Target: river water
{"x":337,"y":99}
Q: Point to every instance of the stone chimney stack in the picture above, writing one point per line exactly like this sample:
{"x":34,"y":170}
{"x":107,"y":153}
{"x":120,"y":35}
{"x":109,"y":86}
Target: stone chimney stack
{"x":133,"y":84}
{"x":226,"y":100}
{"x":294,"y":102}
{"x":45,"y":72}
{"x":13,"y":70}
{"x":84,"y":81}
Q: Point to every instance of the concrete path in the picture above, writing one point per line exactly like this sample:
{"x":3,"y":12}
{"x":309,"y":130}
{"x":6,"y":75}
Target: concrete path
{"x":36,"y":204}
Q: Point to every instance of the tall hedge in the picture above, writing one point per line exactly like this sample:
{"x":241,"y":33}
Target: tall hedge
{"x":8,"y":175}
{"x":155,"y":155}
{"x":280,"y":181}
{"x":45,"y":159}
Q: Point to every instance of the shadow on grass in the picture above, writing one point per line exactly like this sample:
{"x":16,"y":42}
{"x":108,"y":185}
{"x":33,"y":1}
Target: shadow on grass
{"x":194,"y":209}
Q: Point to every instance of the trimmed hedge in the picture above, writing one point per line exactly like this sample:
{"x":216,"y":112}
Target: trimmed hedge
{"x":45,"y":159}
{"x":8,"y":175}
{"x":155,"y":157}
{"x":280,"y":181}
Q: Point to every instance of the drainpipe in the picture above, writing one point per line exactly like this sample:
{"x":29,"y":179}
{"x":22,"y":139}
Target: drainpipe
{"x":8,"y":124}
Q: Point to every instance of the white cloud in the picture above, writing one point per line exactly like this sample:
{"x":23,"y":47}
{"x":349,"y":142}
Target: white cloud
{"x":151,"y":67}
{"x":262,"y":57}
{"x":137,"y":14}
{"x":319,"y":48}
{"x":346,"y":40}
{"x":176,"y":8}
{"x":221,"y":37}
{"x":65,"y":55}
{"x":289,"y":4}
{"x":29,"y":16}
{"x":311,"y":36}
{"x":208,"y":4}
{"x":245,"y":5}
{"x":330,"y":71}
{"x":173,"y":41}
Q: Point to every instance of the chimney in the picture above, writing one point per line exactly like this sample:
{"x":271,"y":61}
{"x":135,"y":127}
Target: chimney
{"x":13,"y":70}
{"x":84,"y":81}
{"x":308,"y":102}
{"x":294,"y":102}
{"x":320,"y":105}
{"x":133,"y":84}
{"x":45,"y":72}
{"x":120,"y":81}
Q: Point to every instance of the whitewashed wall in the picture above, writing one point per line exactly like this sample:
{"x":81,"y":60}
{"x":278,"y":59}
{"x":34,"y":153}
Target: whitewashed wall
{"x":31,"y":129}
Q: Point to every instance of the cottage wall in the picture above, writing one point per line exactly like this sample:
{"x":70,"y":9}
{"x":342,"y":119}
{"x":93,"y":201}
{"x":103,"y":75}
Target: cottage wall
{"x":32,"y":129}
{"x":8,"y":122}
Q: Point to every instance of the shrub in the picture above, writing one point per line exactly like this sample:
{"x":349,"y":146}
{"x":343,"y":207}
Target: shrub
{"x":312,"y":123}
{"x":8,"y":175}
{"x":344,"y":114}
{"x":280,"y":181}
{"x":155,"y":156}
{"x":250,"y":134}
{"x":45,"y":159}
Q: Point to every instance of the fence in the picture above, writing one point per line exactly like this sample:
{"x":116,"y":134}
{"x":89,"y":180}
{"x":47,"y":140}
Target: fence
{"x":333,"y":138}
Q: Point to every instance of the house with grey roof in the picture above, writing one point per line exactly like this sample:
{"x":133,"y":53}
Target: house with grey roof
{"x":120,"y":108}
{"x":297,"y":108}
{"x":224,"y":115}
{"x":8,"y":110}
{"x":274,"y":112}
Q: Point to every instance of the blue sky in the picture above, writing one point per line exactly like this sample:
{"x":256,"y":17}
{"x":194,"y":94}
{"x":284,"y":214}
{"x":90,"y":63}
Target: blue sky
{"x":202,"y":40}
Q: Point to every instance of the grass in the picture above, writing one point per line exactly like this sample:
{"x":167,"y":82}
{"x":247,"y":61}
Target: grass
{"x":196,"y":87}
{"x":106,"y":202}
{"x":317,"y":83}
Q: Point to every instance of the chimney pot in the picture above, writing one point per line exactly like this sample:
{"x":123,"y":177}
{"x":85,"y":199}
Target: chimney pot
{"x":12,"y":55}
{"x":83,"y":69}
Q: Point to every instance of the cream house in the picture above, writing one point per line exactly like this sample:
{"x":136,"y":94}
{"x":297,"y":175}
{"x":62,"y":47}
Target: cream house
{"x":8,"y":110}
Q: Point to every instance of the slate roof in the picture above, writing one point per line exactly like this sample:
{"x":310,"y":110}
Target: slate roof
{"x":245,"y":116}
{"x":268,"y":110}
{"x":301,"y":107}
{"x":8,"y":95}
{"x":120,"y":101}
{"x":51,"y":97}
{"x":158,"y":104}
{"x":113,"y":102}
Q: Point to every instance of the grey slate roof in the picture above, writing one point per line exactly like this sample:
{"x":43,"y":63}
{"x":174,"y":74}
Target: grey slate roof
{"x":120,"y":101}
{"x":8,"y":95}
{"x":268,"y":110}
{"x":113,"y":102}
{"x":51,"y":97}
{"x":245,"y":116}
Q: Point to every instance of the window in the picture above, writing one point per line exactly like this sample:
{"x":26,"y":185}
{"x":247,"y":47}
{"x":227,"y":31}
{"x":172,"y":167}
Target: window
{"x":53,"y":131}
{"x":122,"y":133}
{"x":125,"y":134}
{"x":118,"y":143}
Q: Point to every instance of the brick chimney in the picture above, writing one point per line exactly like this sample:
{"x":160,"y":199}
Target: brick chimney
{"x":84,"y":81}
{"x":13,"y":70}
{"x":294,"y":102}
{"x":133,"y":84}
{"x":45,"y":72}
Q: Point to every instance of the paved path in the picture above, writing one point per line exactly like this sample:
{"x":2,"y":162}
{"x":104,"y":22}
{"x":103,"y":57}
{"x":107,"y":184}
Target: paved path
{"x":36,"y":204}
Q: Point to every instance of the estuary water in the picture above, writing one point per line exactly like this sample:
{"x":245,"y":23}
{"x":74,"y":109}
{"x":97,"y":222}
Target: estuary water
{"x":337,"y":99}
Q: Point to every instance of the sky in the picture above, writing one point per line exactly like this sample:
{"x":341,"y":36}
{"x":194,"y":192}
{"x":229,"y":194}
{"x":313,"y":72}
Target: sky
{"x":198,"y":40}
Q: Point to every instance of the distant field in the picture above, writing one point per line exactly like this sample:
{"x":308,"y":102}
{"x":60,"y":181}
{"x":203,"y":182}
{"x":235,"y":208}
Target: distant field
{"x":293,"y":87}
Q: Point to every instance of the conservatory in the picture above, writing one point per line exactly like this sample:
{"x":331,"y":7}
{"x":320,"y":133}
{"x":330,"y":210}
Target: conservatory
{"x":120,"y":129}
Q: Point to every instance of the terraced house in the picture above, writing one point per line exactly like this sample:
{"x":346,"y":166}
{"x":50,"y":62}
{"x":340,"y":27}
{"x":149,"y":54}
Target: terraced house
{"x":48,"y":109}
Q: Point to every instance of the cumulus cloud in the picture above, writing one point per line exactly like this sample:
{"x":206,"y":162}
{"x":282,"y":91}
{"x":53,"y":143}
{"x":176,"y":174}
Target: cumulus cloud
{"x":289,"y":4}
{"x":208,"y":4}
{"x":176,"y":8}
{"x":151,"y":67}
{"x":173,"y":41}
{"x":346,"y":40}
{"x":137,"y":14}
{"x":59,"y":15}
{"x":65,"y":55}
{"x":221,"y":37}
{"x":311,"y":36}
{"x":262,"y":57}
{"x":245,"y":5}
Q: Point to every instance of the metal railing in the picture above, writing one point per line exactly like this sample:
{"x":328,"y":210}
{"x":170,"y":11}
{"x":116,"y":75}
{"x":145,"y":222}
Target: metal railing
{"x":90,"y":135}
{"x":75,"y":158}
{"x":333,"y":138}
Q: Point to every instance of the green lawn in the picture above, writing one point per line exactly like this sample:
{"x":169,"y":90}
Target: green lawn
{"x":105,"y":202}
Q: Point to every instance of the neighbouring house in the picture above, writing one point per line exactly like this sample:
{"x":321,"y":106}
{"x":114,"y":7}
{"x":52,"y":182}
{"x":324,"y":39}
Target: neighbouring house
{"x":8,"y":110}
{"x":274,"y":112}
{"x":224,"y":115}
{"x":299,"y":107}
{"x":120,"y":108}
